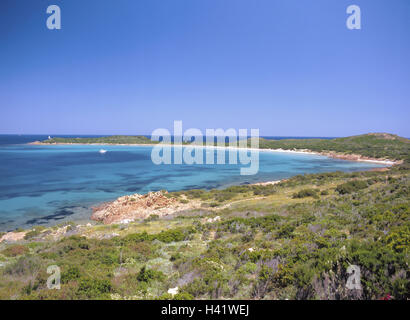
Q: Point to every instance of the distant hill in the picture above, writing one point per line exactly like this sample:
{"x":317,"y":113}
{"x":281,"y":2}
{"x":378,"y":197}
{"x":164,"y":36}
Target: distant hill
{"x":373,"y":145}
{"x":118,"y":139}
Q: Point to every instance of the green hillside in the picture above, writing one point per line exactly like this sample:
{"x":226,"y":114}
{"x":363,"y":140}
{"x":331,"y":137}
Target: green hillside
{"x":293,"y":240}
{"x":374,"y":145}
{"x":117,"y":139}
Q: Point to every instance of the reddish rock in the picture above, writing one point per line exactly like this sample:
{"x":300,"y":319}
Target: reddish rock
{"x":137,"y":206}
{"x":13,"y":236}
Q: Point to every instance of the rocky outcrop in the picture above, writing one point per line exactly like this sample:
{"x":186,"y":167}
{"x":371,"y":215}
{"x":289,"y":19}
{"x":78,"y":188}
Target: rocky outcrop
{"x":137,"y":206}
{"x":173,"y":291}
{"x":13,"y":236}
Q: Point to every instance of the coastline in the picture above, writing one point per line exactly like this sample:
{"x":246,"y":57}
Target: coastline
{"x":329,"y":154}
{"x":334,"y":155}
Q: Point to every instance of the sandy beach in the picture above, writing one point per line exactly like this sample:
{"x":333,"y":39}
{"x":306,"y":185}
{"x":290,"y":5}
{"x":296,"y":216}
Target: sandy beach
{"x":334,"y":155}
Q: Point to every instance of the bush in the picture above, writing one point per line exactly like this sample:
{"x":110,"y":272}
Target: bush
{"x":183,"y":296}
{"x":147,"y":275}
{"x":136,"y":237}
{"x":286,"y":231}
{"x":24,"y":266}
{"x":167,"y":236}
{"x":351,"y":186}
{"x":170,"y":236}
{"x":16,"y":250}
{"x":399,"y":239}
{"x":175,"y":256}
{"x":84,"y":246}
{"x":401,"y":289}
{"x":94,"y":288}
{"x":72,"y":273}
{"x":305,"y":193}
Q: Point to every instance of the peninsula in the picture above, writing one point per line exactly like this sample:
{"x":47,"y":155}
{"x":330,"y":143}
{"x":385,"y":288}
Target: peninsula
{"x":384,"y":147}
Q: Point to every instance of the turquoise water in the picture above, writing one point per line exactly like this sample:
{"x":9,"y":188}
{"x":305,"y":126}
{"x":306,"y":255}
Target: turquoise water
{"x":51,"y":184}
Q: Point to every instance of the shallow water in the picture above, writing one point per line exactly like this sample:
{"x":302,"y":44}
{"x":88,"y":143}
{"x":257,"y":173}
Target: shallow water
{"x":51,"y":184}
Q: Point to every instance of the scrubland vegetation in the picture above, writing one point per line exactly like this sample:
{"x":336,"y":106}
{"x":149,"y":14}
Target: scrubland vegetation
{"x":377,"y":145}
{"x":293,"y":242}
{"x":118,"y":139}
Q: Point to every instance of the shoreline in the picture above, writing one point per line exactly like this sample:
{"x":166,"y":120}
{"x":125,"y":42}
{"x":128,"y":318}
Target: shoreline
{"x":328,"y":154}
{"x":387,"y":163}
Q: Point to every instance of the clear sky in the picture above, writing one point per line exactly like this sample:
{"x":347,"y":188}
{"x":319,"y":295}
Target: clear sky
{"x":287,"y":67}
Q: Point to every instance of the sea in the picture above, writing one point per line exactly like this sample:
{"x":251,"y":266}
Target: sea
{"x":48,"y":185}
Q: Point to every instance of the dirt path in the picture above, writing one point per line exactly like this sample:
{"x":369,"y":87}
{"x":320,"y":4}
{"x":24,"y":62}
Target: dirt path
{"x":237,"y":201}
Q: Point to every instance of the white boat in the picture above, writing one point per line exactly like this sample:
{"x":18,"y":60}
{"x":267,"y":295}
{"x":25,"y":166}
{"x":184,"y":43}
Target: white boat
{"x":102,"y":151}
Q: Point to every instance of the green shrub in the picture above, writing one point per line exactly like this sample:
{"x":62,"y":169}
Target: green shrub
{"x":183,"y":296}
{"x":253,"y":256}
{"x":147,"y":275}
{"x":72,"y":273}
{"x":15,"y":250}
{"x":170,"y":236}
{"x":401,"y":289}
{"x":84,"y":245}
{"x":94,"y":288}
{"x":351,"y":186}
{"x":175,"y":256}
{"x":399,"y":239}
{"x":25,"y":265}
{"x":167,"y":236}
{"x":286,"y":231}
{"x":305,"y":193}
{"x":136,"y":237}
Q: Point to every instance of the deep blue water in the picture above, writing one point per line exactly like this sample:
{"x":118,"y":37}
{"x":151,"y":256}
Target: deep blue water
{"x":50,"y":184}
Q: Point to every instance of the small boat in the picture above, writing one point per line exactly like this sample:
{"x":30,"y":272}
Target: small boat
{"x":49,"y":137}
{"x":102,"y":151}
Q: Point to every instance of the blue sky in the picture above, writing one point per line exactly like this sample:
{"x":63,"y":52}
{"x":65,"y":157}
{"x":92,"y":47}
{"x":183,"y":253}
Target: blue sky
{"x":287,"y":67}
